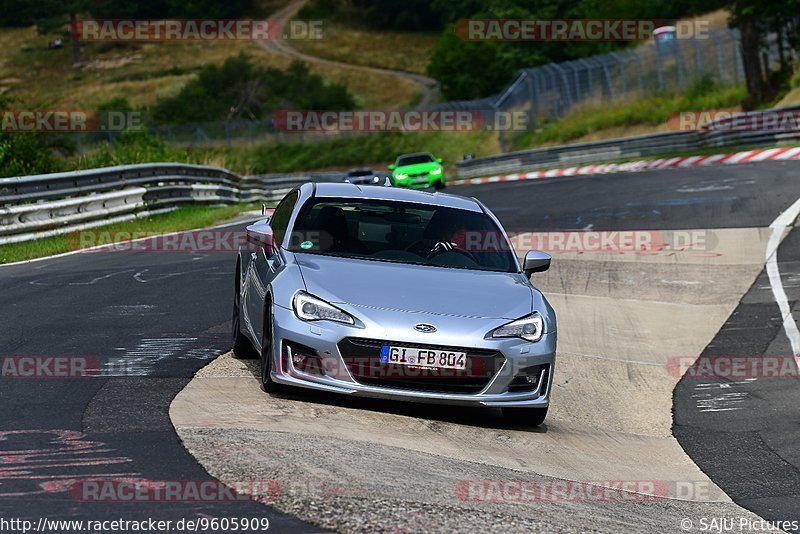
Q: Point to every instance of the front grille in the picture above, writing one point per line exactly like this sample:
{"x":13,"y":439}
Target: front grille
{"x":362,"y":358}
{"x":417,"y":175}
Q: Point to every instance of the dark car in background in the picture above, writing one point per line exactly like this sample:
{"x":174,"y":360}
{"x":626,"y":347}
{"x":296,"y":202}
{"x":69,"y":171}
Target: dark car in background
{"x":364,"y":177}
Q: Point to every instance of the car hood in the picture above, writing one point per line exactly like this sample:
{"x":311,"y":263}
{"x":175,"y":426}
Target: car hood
{"x":417,"y":168}
{"x":416,"y":288}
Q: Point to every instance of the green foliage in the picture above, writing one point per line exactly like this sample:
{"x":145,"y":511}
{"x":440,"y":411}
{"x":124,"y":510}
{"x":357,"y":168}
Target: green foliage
{"x":500,"y":60}
{"x":18,"y":13}
{"x":704,"y":94}
{"x":358,"y":150}
{"x":118,"y":9}
{"x":23,"y":153}
{"x":321,"y":10}
{"x":795,"y":81}
{"x":408,"y":15}
{"x":50,"y":15}
{"x":133,"y":147}
{"x":149,"y":75}
{"x":239,"y":89}
{"x":119,"y":103}
{"x":467,"y":69}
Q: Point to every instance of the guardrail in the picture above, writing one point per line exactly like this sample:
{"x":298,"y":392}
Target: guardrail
{"x":51,"y":204}
{"x":719,"y":133}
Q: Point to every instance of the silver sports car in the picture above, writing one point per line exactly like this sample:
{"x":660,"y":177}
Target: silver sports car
{"x":396,"y":294}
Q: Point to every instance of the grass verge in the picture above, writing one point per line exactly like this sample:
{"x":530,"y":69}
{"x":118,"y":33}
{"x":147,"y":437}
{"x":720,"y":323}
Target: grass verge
{"x":377,"y":149}
{"x":185,"y":218}
{"x":644,"y":116}
{"x":406,"y":51}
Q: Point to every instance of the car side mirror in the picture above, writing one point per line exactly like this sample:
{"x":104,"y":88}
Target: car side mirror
{"x":392,"y":167}
{"x":260,"y":235}
{"x":536,"y":261}
{"x":438,"y":160}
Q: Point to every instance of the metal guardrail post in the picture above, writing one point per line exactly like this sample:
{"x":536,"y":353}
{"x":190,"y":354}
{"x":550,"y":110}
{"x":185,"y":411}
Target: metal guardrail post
{"x":660,"y":71}
{"x":679,"y":64}
{"x":720,"y":61}
{"x":566,"y":91}
{"x":623,"y":76}
{"x":639,"y":78}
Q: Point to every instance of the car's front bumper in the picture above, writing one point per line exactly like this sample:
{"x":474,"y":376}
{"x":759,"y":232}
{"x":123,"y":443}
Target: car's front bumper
{"x":418,"y":182}
{"x":294,"y":337}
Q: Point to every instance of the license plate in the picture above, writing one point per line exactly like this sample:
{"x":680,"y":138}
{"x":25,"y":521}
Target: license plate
{"x":435,"y":359}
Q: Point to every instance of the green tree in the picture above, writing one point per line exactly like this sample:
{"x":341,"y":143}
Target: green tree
{"x":467,"y":69}
{"x":54,"y":15}
{"x":240,"y":89}
{"x":754,"y":18}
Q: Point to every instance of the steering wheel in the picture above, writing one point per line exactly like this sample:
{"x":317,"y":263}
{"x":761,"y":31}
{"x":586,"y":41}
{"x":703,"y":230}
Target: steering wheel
{"x":442,"y":246}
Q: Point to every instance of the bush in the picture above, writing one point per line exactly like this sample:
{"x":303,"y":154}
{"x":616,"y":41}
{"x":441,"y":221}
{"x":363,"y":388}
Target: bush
{"x":240,"y":89}
{"x":467,"y":69}
{"x":795,"y":81}
{"x":368,"y":149}
{"x":701,"y":95}
{"x":119,"y":103}
{"x":320,"y":10}
{"x":133,"y":147}
{"x":22,"y":154}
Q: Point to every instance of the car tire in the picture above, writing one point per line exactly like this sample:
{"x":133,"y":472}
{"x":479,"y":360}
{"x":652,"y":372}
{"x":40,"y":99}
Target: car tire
{"x":525,"y":416}
{"x":439,"y":185}
{"x":243,"y":349}
{"x":267,"y":384}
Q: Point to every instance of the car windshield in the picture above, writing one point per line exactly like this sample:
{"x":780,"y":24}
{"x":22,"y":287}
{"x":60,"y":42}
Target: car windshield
{"x":402,"y":232}
{"x":413,"y":160}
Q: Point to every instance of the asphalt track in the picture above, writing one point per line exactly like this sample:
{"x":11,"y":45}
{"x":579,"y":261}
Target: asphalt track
{"x":743,"y":431}
{"x":152,"y":318}
{"x":168,"y":312}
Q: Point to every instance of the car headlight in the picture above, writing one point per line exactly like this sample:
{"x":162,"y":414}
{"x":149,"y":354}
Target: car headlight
{"x":401,"y":176}
{"x":529,"y":328}
{"x":436,"y":171}
{"x":310,"y":308}
{"x":375,"y":180}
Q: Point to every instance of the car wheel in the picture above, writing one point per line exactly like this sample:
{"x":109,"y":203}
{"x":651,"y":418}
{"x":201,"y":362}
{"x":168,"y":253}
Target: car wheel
{"x":267,"y":384}
{"x":440,"y":185}
{"x":525,"y":416}
{"x":242,"y":347}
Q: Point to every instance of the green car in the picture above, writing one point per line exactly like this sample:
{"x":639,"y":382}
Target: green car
{"x":418,"y":171}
